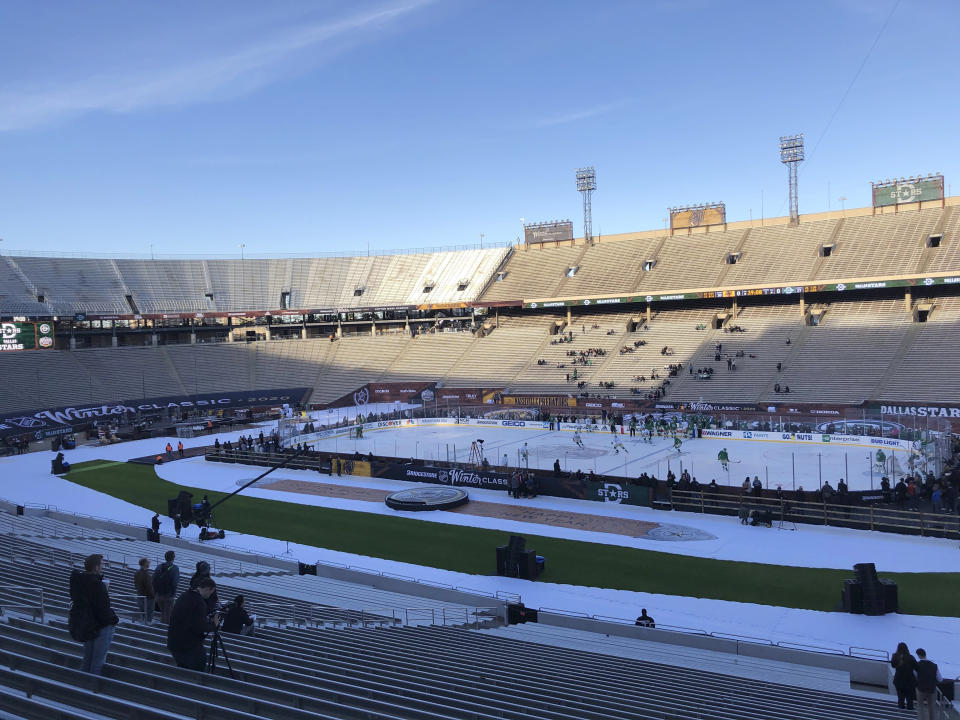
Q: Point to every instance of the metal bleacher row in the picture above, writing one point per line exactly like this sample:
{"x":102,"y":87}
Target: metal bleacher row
{"x":126,"y":286}
{"x":273,"y":591}
{"x":329,"y":661}
{"x":879,"y":340}
{"x":862,"y":246}
{"x":857,"y":351}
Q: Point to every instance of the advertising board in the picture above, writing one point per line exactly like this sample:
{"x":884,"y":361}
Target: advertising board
{"x":909,"y":190}
{"x":15,"y":336}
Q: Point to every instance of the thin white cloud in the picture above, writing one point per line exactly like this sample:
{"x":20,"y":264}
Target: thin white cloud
{"x":579,"y":115}
{"x":229,"y":73}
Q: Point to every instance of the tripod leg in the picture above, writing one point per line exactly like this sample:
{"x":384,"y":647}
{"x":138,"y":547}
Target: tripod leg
{"x":212,"y":659}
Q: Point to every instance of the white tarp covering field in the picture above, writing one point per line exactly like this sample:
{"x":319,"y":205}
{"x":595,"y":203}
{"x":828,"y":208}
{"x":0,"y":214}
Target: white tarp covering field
{"x":27,"y":479}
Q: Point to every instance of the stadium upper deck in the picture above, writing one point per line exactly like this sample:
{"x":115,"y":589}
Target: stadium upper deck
{"x":825,"y":247}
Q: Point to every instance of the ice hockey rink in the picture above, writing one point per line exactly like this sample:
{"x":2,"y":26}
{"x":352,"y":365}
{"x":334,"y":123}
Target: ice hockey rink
{"x":776,"y":462}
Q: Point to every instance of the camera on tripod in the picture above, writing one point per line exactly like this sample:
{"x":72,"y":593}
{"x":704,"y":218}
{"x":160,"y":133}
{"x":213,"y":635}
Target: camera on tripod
{"x":224,"y":608}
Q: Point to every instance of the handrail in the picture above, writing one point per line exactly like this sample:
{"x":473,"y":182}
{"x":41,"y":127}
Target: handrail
{"x":862,"y":516}
{"x":871,"y":653}
{"x":313,"y":613}
{"x":55,"y":254}
{"x":847,"y":651}
{"x":33,"y":588}
{"x":808,"y":648}
{"x":568,"y":613}
{"x":256,"y":554}
{"x":742,"y":638}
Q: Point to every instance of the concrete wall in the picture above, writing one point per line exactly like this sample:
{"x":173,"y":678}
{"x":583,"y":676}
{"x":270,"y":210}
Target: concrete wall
{"x":866,"y":672}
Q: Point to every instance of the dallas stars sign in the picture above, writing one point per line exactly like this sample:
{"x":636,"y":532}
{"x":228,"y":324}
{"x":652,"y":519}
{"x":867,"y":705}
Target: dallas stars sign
{"x":26,"y":336}
{"x":908,"y":190}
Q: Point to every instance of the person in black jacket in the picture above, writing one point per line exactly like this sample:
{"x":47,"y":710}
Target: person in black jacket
{"x":203,"y":571}
{"x":237,"y":620}
{"x":928,"y":677}
{"x":904,"y":676}
{"x":165,"y":580}
{"x":90,"y":598}
{"x":645,"y":620}
{"x":189,"y":625}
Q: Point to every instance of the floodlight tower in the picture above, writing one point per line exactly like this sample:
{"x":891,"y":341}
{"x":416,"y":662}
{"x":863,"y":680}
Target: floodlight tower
{"x":791,"y":154}
{"x":586,"y":184}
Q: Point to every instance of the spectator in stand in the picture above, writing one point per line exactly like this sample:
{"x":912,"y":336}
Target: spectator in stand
{"x":900,"y":493}
{"x":513,"y":489}
{"x":913,"y":494}
{"x":203,"y":571}
{"x":165,"y":581}
{"x":89,"y":594}
{"x":190,"y":622}
{"x":143,"y":584}
{"x":645,"y":620}
{"x":841,"y":488}
{"x":237,"y":620}
{"x":904,"y":676}
{"x":937,"y":498}
{"x":928,"y":677}
{"x":827,"y":491}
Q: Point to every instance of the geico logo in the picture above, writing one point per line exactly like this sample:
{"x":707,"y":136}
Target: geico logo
{"x":513,"y":423}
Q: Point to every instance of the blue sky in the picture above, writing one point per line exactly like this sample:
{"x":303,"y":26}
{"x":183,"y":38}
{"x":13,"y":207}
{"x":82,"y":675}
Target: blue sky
{"x":310,"y":127}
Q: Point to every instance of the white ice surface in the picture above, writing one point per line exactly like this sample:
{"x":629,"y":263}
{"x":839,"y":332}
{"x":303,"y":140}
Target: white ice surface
{"x":26,"y":479}
{"x":789,"y":464}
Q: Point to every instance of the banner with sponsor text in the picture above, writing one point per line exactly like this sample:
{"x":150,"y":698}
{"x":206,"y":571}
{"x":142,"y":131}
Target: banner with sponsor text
{"x":63,"y":420}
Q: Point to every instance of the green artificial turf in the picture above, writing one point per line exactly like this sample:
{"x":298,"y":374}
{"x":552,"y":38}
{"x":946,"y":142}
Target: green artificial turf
{"x":471,"y":550}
